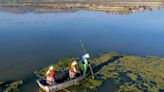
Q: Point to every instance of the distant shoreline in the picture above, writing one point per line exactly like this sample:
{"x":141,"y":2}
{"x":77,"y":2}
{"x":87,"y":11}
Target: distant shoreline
{"x":88,"y":2}
{"x":116,"y":7}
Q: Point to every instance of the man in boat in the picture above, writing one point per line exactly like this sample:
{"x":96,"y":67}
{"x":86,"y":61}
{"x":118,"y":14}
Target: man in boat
{"x":72,"y":70}
{"x":50,"y":76}
{"x":85,"y":62}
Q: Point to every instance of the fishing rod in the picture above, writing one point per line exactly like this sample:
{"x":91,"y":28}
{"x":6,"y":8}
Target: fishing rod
{"x":85,"y":52}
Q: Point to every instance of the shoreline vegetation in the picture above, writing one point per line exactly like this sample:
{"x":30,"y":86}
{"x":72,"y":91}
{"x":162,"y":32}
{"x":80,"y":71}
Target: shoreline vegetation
{"x":106,"y":6}
{"x":129,"y":73}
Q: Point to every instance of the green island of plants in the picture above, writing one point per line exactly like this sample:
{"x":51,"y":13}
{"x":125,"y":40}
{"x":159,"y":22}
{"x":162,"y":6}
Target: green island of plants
{"x":136,"y":74}
{"x":10,"y":86}
{"x":129,"y":73}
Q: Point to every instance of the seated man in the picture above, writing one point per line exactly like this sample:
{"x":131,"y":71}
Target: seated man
{"x":72,"y":70}
{"x":50,"y":76}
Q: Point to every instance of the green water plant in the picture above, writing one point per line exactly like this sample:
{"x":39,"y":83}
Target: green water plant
{"x":130,"y":73}
{"x":10,"y":86}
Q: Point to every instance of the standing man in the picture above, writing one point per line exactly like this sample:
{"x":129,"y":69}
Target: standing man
{"x":85,"y":63}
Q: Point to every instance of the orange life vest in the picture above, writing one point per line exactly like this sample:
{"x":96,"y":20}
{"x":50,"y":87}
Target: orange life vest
{"x":52,"y":73}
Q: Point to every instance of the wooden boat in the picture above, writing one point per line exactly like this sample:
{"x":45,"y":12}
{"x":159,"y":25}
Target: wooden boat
{"x":60,"y":85}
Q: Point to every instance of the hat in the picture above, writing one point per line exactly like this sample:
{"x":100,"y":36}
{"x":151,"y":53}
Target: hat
{"x":74,"y":63}
{"x":87,"y":55}
{"x":51,"y":68}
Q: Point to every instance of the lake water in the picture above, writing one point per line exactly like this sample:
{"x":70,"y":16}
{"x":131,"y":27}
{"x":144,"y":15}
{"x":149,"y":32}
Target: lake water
{"x":31,"y":40}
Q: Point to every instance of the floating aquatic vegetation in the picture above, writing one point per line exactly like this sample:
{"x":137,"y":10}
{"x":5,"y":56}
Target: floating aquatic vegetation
{"x":131,"y":73}
{"x":145,"y":73}
{"x":10,"y":86}
{"x":99,"y":64}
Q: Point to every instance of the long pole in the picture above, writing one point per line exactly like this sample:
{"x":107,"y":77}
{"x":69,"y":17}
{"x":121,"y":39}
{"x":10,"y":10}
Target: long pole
{"x":85,"y":52}
{"x":41,"y":77}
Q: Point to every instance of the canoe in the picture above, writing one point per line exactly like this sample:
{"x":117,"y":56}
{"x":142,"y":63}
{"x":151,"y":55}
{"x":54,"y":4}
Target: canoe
{"x":62,"y":85}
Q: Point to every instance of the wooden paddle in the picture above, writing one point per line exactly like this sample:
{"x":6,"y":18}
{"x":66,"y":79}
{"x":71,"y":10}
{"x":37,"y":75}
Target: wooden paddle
{"x":85,"y":52}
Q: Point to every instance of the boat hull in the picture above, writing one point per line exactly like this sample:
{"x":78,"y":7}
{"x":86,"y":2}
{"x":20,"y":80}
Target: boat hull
{"x":60,"y":86}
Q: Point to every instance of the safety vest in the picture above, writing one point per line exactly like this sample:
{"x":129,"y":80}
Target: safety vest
{"x":52,"y":73}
